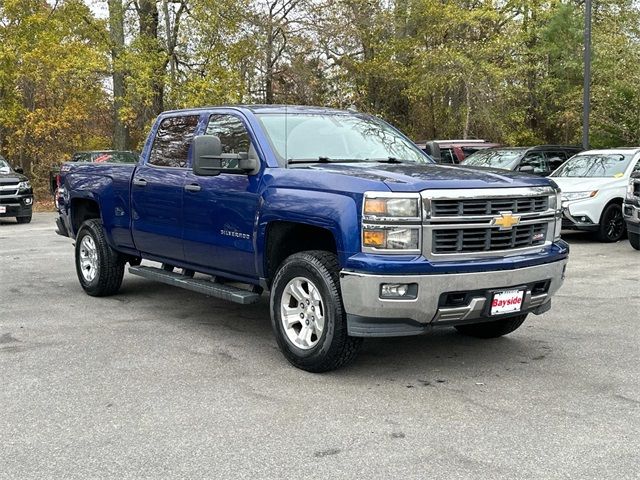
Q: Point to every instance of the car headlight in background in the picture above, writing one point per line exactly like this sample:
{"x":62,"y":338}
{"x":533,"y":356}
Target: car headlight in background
{"x":571,"y":196}
{"x":24,"y":185}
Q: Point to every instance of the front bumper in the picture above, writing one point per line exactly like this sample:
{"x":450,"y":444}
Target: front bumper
{"x":631,"y":214}
{"x":368,"y":315}
{"x":582,"y":222}
{"x":16,"y":205}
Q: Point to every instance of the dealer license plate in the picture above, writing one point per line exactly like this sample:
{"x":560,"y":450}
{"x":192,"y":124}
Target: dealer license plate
{"x":507,"y":301}
{"x":3,"y":209}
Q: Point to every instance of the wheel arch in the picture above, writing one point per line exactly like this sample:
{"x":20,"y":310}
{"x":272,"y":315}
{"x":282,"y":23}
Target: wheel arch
{"x":284,"y":238}
{"x":83,"y":209}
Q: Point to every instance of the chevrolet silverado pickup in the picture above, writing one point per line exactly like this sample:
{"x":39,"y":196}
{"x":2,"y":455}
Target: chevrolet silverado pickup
{"x":352,"y":229}
{"x":16,"y":194}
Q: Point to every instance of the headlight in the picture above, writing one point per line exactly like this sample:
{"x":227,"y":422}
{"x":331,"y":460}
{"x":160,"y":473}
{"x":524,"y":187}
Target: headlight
{"x":630,"y":189}
{"x":391,"y":223}
{"x":571,"y":196}
{"x":391,"y":238}
{"x":24,"y":185}
{"x":381,"y":207}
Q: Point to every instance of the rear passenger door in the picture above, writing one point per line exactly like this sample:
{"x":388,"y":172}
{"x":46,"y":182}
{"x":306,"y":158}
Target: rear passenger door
{"x":156,"y":191}
{"x":219,"y":211}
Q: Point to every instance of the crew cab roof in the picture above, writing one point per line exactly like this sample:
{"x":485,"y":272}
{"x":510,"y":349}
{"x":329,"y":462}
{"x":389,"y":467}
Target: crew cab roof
{"x":269,"y":109}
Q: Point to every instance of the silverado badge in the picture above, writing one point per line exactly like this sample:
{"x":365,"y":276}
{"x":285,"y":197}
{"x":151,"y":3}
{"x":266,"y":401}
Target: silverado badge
{"x":506,"y":220}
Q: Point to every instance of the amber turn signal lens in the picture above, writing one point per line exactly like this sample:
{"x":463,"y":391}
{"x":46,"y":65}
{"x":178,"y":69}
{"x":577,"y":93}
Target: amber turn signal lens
{"x":374,"y":238}
{"x":374,"y":206}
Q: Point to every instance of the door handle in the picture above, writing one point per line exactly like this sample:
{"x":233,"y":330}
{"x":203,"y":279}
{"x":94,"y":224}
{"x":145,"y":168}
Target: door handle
{"x":140,"y":182}
{"x":193,"y":187}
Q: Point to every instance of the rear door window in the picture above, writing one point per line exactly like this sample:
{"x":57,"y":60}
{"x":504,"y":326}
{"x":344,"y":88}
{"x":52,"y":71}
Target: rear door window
{"x":173,"y":141}
{"x":535,"y":160}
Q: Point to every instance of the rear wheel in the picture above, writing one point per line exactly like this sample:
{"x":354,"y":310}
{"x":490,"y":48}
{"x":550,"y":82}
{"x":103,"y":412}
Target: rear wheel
{"x":100,"y":268}
{"x":493,"y":329}
{"x":26,"y":219}
{"x":634,"y":240}
{"x":307,"y":315}
{"x":612,"y":225}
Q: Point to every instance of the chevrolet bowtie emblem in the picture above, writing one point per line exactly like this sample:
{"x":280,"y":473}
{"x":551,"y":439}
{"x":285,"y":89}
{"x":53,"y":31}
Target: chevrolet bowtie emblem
{"x":506,"y":220}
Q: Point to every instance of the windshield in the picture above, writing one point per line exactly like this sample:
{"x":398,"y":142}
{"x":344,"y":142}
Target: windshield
{"x":4,"y":166}
{"x":595,"y":165}
{"x":337,"y":137}
{"x":494,"y":158}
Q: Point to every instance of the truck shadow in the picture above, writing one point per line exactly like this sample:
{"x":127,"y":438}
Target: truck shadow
{"x":431,"y":357}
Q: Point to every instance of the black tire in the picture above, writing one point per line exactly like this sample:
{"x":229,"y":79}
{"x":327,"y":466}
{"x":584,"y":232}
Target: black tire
{"x":26,"y":219}
{"x":109,"y":263}
{"x":494,"y":329}
{"x":334,"y":348}
{"x":612,"y":225}
{"x":634,"y":240}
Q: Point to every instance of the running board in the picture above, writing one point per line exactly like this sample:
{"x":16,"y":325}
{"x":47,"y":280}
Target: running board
{"x":200,"y":285}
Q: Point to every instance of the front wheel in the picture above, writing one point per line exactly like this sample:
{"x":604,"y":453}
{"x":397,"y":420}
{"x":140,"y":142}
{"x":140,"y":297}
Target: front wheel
{"x":307,"y":315}
{"x":494,"y":329}
{"x":612,"y":226}
{"x":634,"y":240}
{"x":100,"y":268}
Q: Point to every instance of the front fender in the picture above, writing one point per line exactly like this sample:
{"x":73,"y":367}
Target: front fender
{"x":336,"y":212}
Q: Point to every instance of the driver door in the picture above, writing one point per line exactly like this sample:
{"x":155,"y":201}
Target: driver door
{"x":219,"y":211}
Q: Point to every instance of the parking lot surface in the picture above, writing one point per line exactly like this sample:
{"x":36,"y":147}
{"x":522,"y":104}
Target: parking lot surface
{"x":159,"y":382}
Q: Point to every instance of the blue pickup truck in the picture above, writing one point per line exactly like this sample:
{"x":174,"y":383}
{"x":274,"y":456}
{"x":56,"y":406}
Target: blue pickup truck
{"x":353,"y":230}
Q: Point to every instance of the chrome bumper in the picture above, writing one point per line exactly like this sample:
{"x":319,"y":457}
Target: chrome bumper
{"x":361,"y":297}
{"x":631,"y":213}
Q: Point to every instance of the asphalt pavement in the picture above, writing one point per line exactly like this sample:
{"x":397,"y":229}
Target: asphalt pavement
{"x":158,"y":382}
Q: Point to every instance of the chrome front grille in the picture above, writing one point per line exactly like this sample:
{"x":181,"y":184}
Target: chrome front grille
{"x":9,"y":189}
{"x":462,"y":207}
{"x":464,"y":224}
{"x":471,"y":240}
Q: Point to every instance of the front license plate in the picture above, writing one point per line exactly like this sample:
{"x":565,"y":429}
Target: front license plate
{"x":3,"y":209}
{"x":507,"y":301}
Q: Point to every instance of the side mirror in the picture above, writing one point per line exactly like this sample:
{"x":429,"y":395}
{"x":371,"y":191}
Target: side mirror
{"x":526,"y":169}
{"x":19,"y":170}
{"x":208,"y":159}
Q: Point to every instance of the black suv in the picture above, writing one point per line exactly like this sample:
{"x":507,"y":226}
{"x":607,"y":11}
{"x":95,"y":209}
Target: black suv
{"x":16,"y":195}
{"x":539,"y":160}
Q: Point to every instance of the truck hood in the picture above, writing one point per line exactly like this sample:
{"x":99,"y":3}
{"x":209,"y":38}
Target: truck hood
{"x":582,"y":184}
{"x":414,"y":178}
{"x":11,"y":177}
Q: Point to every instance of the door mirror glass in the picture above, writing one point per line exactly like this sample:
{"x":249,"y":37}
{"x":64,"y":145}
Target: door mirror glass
{"x":19,"y":170}
{"x":208,"y":159}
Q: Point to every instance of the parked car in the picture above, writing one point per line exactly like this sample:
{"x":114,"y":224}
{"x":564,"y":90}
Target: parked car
{"x":16,"y":194}
{"x":352,"y":228}
{"x":631,"y":207}
{"x":94,"y":156}
{"x":593,"y":185}
{"x":539,"y":160}
{"x":453,"y":151}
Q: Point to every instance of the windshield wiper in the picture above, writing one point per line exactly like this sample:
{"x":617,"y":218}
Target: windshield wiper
{"x":386,"y":160}
{"x":323,"y":160}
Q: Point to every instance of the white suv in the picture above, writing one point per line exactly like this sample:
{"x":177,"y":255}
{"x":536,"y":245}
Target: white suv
{"x":594,"y":185}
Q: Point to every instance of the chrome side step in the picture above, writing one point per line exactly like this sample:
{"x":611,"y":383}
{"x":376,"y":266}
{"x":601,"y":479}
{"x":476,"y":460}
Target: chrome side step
{"x":200,"y":285}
